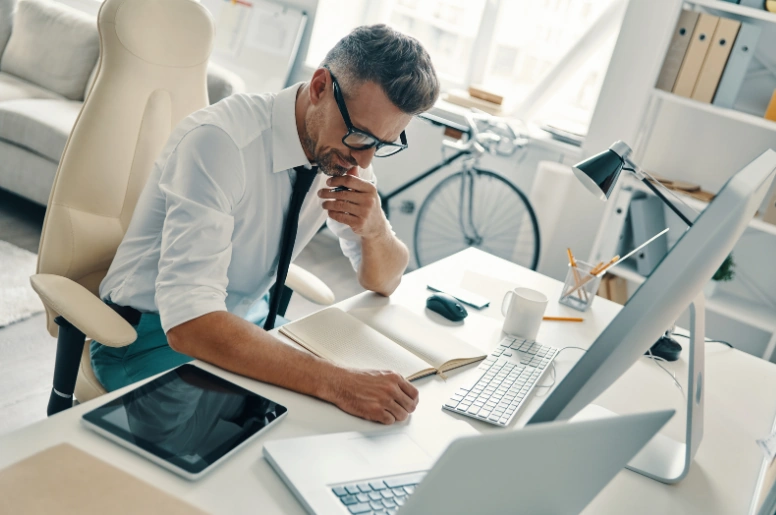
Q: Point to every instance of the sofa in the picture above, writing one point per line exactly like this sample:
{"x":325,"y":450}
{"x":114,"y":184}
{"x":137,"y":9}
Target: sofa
{"x":48,"y":60}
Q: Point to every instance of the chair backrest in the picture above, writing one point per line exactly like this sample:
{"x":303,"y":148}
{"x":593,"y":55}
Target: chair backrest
{"x":152,"y":73}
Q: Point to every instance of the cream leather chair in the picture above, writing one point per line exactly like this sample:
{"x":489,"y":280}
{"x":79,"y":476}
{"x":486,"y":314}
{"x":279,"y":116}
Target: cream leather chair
{"x":152,"y":74}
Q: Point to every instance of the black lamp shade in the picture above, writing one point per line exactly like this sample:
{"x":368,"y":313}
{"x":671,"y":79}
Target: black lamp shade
{"x":599,"y":173}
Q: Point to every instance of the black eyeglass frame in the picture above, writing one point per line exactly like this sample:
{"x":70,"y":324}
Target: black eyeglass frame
{"x":378,"y":143}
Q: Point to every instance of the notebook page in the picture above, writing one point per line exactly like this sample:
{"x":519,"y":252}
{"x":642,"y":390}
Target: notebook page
{"x":343,"y":339}
{"x":418,"y":335}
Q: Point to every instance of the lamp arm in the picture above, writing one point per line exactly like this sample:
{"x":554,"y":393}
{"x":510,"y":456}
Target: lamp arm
{"x":666,"y":201}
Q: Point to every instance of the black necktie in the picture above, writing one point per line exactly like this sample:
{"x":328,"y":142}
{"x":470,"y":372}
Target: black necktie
{"x":304,"y":178}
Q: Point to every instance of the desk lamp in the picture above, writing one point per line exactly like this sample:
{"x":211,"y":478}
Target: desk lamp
{"x":599,"y":175}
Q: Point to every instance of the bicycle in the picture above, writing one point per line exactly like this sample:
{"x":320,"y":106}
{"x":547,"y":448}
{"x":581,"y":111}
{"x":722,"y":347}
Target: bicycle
{"x":474,"y":207}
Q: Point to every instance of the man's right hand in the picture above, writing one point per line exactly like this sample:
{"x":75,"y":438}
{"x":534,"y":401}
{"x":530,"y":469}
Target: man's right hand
{"x":380,"y":396}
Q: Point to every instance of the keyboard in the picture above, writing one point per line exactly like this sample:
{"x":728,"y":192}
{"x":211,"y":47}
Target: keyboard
{"x":380,"y":496}
{"x":509,"y":375}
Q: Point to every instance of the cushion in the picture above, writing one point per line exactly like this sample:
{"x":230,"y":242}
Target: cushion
{"x":221,"y":82}
{"x":6,"y":19}
{"x":14,"y":88}
{"x":53,"y":46}
{"x":41,"y":126}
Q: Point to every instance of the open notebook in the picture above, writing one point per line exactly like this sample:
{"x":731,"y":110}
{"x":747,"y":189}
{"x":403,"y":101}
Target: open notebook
{"x":390,"y":337}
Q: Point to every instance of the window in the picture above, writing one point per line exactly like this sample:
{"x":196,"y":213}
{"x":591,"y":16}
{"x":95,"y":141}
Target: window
{"x":509,"y":46}
{"x":531,"y":38}
{"x":446,"y":28}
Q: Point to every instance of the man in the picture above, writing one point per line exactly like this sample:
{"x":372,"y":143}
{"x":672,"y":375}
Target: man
{"x":203,"y":244}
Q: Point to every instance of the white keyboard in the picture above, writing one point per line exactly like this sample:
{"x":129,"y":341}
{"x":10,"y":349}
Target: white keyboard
{"x":509,"y":375}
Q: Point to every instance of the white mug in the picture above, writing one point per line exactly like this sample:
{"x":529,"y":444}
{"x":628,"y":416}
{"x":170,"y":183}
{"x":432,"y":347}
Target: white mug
{"x":523,"y":310}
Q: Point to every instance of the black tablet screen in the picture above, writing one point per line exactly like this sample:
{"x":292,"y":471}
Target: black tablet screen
{"x":188,"y":417}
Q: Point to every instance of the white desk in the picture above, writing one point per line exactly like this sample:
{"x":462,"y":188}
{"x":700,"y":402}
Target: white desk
{"x":740,"y":407}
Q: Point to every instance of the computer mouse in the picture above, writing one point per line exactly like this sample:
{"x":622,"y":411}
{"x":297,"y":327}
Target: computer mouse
{"x":447,"y":306}
{"x":666,"y":348}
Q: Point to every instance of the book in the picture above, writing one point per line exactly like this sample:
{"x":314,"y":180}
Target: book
{"x":716,"y":59}
{"x":647,"y":218}
{"x":65,"y":480}
{"x":696,"y":53}
{"x":483,"y":94}
{"x":676,"y":49}
{"x":463,"y":98}
{"x":386,"y":338}
{"x":770,"y":111}
{"x":613,"y":288}
{"x":738,"y":63}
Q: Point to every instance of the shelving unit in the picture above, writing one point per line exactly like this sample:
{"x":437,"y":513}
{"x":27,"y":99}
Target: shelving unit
{"x":683,"y":139}
{"x":732,"y":114}
{"x":719,"y":8}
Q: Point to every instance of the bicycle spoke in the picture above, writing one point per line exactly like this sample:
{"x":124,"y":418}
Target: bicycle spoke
{"x":482,"y":210}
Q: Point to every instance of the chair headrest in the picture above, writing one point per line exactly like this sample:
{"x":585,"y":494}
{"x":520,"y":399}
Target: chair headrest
{"x":147,"y":29}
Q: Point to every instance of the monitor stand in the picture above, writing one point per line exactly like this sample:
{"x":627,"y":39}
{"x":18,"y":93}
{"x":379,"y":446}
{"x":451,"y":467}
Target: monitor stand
{"x":664,"y":459}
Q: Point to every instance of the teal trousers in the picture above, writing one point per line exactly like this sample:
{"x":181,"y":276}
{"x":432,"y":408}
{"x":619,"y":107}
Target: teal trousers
{"x":150,"y":353}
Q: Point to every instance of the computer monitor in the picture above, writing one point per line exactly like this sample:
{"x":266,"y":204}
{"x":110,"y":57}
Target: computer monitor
{"x":668,"y":291}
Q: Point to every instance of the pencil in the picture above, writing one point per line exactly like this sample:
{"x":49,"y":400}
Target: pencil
{"x":563,"y":319}
{"x":577,"y":279}
{"x":599,"y":269}
{"x":607,"y":265}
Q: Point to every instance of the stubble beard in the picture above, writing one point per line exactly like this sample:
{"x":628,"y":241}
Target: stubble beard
{"x":325,"y":159}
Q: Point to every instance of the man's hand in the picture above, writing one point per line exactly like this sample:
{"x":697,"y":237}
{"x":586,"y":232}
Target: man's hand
{"x":358,"y":208}
{"x":380,"y":396}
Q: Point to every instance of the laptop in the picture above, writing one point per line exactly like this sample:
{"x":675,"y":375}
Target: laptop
{"x":556,"y":467}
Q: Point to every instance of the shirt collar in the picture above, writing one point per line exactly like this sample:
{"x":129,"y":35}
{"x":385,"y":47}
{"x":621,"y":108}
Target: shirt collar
{"x":287,"y":150}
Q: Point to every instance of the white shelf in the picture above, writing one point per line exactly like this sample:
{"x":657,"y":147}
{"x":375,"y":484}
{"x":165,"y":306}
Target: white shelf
{"x":756,"y":223}
{"x":733,"y":115}
{"x":728,"y":7}
{"x":751,"y":313}
{"x":627,"y":271}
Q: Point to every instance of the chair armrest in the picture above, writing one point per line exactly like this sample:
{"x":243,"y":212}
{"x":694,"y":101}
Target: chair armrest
{"x":83,"y":309}
{"x":309,"y":286}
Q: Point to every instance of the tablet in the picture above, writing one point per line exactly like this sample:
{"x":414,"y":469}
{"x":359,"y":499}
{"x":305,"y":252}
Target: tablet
{"x":187,"y":420}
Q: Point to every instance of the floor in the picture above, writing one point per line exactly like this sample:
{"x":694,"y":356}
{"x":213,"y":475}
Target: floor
{"x":27,"y":350}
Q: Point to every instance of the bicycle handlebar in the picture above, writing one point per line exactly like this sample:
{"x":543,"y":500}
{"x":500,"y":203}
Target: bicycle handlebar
{"x":477,"y":141}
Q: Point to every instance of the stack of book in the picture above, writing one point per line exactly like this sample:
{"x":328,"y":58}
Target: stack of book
{"x":478,"y":98}
{"x":708,"y":58}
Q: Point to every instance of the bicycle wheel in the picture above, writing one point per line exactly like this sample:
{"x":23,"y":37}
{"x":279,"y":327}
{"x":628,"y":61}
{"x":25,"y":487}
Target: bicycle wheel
{"x":479,"y":209}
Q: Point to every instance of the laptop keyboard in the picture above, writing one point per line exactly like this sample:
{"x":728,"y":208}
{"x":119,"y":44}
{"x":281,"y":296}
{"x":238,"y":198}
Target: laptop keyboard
{"x":380,"y":496}
{"x":509,"y":375}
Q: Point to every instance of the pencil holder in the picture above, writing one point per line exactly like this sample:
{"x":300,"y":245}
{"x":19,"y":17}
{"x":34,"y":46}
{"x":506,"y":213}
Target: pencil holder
{"x":580,"y":287}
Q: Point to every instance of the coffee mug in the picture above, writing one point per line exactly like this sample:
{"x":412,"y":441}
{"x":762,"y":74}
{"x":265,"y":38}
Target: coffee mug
{"x":523,"y":310}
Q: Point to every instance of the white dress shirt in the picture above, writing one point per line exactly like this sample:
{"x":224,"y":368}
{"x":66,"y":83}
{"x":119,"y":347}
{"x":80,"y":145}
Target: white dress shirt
{"x":205,"y":234}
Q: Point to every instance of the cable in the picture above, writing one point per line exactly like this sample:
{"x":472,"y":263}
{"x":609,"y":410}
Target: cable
{"x":707,"y":340}
{"x":672,"y":375}
{"x":656,"y":359}
{"x":554,"y":372}
{"x":548,"y":386}
{"x":571,"y":347}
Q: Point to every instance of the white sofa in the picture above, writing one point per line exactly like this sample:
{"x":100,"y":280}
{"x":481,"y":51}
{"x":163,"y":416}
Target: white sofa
{"x":48,"y":56}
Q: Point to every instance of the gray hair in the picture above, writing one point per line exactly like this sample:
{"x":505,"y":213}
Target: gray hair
{"x":394,"y":61}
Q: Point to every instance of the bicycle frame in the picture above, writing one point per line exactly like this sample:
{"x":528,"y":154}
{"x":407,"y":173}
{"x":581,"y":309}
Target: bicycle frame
{"x":384,"y":199}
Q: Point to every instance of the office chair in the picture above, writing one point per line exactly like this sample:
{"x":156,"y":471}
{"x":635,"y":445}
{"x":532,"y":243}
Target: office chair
{"x":152,"y":74}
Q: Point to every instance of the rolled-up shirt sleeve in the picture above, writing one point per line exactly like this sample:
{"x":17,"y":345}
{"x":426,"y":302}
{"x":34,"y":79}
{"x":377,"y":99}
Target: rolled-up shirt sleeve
{"x":350,"y":242}
{"x":202,"y":181}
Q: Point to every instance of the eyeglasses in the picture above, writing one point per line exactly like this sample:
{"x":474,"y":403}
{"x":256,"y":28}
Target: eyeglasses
{"x":358,"y":139}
